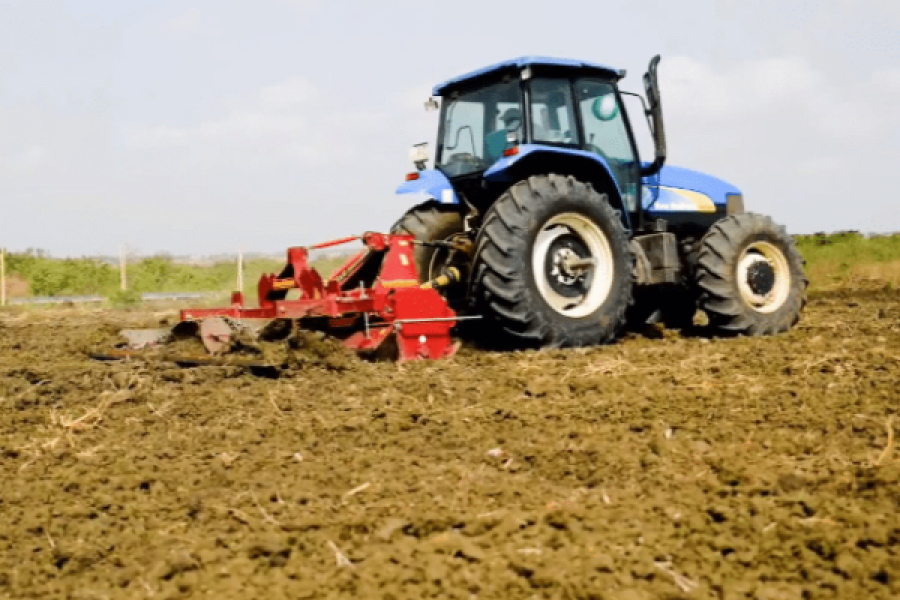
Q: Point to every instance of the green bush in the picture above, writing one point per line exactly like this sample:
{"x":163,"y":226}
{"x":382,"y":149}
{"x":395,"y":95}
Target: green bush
{"x":848,"y":248}
{"x":89,"y":276}
{"x":54,"y":277}
{"x":124,"y":298}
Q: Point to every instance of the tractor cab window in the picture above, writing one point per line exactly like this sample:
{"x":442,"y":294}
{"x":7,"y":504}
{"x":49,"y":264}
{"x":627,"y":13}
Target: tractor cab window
{"x":606,"y":134}
{"x":476,"y":126}
{"x":552,"y":113}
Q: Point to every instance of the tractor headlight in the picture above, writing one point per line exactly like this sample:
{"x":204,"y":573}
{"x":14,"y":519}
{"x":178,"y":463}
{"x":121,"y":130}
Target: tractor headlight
{"x":419,"y":155}
{"x":734,"y":204}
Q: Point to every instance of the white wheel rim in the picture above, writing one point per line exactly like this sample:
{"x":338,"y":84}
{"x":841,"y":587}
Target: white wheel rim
{"x":597,"y":279}
{"x":767,"y":256}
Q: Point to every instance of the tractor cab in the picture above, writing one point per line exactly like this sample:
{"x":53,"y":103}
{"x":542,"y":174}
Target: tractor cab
{"x":535,"y":113}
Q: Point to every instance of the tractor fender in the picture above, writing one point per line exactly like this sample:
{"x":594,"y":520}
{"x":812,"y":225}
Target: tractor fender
{"x":433,"y":183}
{"x":533,"y":159}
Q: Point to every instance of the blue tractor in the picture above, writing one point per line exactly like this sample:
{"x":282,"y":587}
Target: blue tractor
{"x":541,"y":217}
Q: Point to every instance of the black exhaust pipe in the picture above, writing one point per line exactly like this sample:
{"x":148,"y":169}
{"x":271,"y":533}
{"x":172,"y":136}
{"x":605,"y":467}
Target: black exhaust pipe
{"x":654,"y":114}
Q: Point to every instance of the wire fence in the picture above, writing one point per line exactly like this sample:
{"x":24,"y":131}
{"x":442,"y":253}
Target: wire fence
{"x":40,"y":279}
{"x":147,"y":297}
{"x":13,"y":294}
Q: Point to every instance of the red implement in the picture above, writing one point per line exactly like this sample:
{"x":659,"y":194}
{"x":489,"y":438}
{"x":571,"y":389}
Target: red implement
{"x":373,"y":299}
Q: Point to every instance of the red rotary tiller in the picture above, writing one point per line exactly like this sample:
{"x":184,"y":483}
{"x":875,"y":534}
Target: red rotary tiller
{"x":375,"y":300}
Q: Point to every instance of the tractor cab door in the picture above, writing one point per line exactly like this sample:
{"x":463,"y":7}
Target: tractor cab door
{"x":606,"y":133}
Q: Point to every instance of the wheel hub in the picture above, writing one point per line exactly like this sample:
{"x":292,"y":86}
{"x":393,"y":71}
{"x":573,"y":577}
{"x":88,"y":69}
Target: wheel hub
{"x":761,"y":277}
{"x":560,"y":267}
{"x":572,"y":264}
{"x":564,"y":279}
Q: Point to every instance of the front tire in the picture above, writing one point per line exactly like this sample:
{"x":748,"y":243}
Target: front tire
{"x":553,"y":266}
{"x":750,"y":277}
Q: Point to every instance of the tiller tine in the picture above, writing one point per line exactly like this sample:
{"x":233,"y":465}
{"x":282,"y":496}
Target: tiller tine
{"x":138,"y":339}
{"x":373,"y":303}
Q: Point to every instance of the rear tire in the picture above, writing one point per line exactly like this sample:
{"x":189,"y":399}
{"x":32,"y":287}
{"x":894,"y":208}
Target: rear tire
{"x":429,"y":222}
{"x":524,"y":281}
{"x":750,"y":277}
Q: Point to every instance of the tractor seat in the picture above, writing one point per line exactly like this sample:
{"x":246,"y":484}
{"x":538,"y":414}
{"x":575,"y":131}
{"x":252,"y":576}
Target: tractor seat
{"x":494,"y":145}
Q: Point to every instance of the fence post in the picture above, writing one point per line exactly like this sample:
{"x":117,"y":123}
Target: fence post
{"x":122,"y":280}
{"x":2,"y":277}
{"x":240,"y":270}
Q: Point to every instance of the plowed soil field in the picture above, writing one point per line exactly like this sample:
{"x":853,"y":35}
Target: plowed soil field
{"x":659,"y":467}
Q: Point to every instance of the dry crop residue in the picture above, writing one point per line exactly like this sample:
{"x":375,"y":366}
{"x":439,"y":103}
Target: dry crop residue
{"x":653,"y":468}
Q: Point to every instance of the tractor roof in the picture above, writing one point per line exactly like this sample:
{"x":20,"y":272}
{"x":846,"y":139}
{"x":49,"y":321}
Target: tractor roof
{"x":559,"y":64}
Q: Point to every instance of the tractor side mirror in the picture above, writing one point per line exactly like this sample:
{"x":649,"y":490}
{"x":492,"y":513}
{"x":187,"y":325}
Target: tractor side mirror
{"x":431,"y":105}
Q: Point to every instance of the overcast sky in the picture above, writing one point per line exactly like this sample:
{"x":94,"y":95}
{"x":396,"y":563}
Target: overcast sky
{"x":200,"y":126}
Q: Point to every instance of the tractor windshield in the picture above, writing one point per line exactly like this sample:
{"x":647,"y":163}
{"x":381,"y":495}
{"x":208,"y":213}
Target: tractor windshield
{"x":475,"y":128}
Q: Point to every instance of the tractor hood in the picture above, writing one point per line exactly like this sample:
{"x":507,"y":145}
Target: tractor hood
{"x":676,"y":189}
